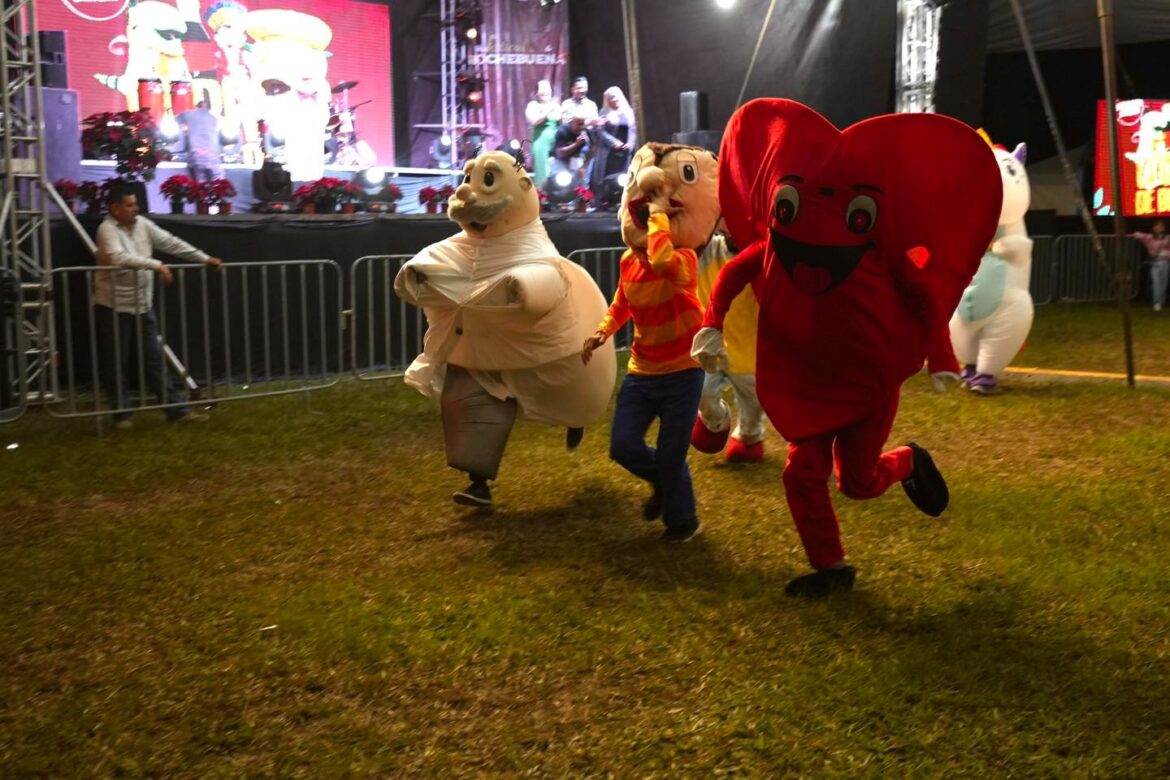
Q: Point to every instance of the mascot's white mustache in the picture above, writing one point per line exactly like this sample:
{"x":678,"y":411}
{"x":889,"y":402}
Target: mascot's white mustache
{"x":476,"y":211}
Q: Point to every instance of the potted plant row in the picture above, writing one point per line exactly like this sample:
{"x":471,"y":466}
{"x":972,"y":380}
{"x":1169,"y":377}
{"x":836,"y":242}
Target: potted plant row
{"x":435,"y":198}
{"x":325,"y":194}
{"x":180,"y":190}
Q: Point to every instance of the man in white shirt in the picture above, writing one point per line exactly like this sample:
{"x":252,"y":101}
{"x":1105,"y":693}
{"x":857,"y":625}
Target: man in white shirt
{"x":124,"y":315}
{"x":578,"y":105}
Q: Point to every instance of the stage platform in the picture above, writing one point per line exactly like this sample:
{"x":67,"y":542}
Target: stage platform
{"x":409,"y":180}
{"x":339,"y":237}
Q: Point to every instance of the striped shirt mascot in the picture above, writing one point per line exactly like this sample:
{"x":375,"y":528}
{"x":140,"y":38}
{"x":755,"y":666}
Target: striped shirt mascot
{"x":669,"y":208}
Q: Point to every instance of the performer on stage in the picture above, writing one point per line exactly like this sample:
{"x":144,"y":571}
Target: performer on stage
{"x":616,"y":137}
{"x":240,"y":94}
{"x":542,"y":113}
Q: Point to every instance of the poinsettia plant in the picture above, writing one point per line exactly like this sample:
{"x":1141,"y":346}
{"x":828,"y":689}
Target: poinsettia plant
{"x":130,"y":137}
{"x":427,"y":194}
{"x":391,"y":192}
{"x":180,"y":187}
{"x":66,"y":188}
{"x":445,"y":192}
{"x":584,"y":193}
{"x":91,"y":194}
{"x":216,"y":192}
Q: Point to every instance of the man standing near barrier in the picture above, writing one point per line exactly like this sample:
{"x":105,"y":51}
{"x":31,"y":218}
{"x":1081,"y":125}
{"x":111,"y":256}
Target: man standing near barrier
{"x":124,"y":305}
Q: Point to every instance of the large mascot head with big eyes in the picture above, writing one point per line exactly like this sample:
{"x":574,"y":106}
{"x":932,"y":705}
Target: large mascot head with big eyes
{"x":688,"y":176}
{"x":882,"y":191}
{"x":495,"y":197}
{"x":1017,"y":192}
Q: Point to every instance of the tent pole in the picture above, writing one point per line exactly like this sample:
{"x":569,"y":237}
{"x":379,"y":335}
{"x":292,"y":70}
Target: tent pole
{"x":1121,"y":276}
{"x":1074,"y":186}
{"x":633,"y":66}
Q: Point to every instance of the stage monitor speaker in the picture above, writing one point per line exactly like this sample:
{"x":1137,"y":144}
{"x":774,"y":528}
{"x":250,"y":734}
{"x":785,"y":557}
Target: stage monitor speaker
{"x":54,"y":69}
{"x":692,"y":107}
{"x":62,"y":134}
{"x":706,"y":139}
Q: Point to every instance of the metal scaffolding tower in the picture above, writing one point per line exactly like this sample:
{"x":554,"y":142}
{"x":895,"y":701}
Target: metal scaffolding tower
{"x":30,"y":372}
{"x":455,"y":69}
{"x":917,"y":55}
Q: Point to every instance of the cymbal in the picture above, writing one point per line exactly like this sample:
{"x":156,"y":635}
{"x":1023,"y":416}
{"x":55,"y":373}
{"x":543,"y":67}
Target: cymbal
{"x":343,"y":86}
{"x":274,"y":87}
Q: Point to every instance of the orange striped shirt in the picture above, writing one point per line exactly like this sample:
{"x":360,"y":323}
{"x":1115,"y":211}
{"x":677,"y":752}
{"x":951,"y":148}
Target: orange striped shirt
{"x":658,"y":287}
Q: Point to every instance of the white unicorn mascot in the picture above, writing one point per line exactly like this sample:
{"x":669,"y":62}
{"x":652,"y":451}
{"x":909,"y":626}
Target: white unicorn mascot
{"x":995,"y":312}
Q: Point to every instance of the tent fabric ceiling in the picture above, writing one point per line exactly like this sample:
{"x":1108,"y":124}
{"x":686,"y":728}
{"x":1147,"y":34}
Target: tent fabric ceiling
{"x":1072,"y":24}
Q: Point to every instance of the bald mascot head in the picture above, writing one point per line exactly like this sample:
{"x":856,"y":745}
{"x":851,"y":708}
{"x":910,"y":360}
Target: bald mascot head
{"x":496,"y":196}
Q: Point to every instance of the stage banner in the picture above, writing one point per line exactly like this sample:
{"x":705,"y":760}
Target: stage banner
{"x":1143,"y":127}
{"x":317,"y":72}
{"x":524,"y":41}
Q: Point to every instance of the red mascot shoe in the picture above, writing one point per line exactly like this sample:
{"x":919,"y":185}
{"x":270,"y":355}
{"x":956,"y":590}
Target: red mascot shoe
{"x":706,"y":440}
{"x":738,"y":452}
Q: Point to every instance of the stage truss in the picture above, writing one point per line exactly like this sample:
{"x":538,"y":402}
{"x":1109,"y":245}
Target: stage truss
{"x":917,"y":71}
{"x":28,"y":371}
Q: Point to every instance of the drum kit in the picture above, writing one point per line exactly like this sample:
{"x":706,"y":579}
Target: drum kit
{"x":342,"y":139}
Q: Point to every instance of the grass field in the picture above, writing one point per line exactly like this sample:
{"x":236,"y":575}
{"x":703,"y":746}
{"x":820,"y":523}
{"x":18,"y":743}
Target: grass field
{"x":288,"y":590}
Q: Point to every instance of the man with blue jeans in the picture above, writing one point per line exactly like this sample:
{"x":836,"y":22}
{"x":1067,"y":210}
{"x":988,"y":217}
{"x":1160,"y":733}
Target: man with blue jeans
{"x":124,"y":317}
{"x":1158,"y":245}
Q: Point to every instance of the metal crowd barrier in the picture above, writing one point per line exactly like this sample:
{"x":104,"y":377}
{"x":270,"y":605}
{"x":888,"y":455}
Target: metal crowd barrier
{"x":251,"y":329}
{"x":604,"y":265}
{"x":385,"y":332}
{"x":1081,"y":277}
{"x":1043,"y":281}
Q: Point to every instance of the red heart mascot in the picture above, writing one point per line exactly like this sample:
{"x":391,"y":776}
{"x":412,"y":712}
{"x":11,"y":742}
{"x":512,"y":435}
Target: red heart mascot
{"x":860,"y":243}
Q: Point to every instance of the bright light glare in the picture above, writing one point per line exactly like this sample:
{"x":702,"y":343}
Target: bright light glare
{"x":12,"y":446}
{"x":169,"y":127}
{"x":514,"y":144}
{"x":445,"y":139}
{"x":563,"y":179}
{"x":374,"y":176}
{"x":623,"y":179}
{"x":472,"y":33}
{"x":725,"y":4}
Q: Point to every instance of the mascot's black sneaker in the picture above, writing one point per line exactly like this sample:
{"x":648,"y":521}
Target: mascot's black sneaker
{"x":925,"y":486}
{"x":573,"y":437}
{"x":820,"y":584}
{"x":652,"y":509}
{"x":475,"y":494}
{"x":681,"y":533}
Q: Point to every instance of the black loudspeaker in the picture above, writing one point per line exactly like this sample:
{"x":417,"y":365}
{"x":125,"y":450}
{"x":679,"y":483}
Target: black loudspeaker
{"x":692,"y":109}
{"x":707,"y":139}
{"x":54,"y":70}
{"x":62,"y":134}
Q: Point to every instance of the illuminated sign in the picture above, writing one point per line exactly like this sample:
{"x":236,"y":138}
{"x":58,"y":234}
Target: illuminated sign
{"x":1142,"y":130}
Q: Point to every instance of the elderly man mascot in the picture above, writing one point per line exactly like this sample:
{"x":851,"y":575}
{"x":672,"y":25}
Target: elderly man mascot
{"x":860,"y":243}
{"x":506,"y":318}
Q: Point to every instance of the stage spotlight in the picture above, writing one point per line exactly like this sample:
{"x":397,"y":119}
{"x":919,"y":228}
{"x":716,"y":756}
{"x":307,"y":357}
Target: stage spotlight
{"x":563,"y":179}
{"x":515,"y":148}
{"x":472,"y":33}
{"x":725,"y":4}
{"x":372,"y":177}
{"x":469,"y":88}
{"x":441,"y":151}
{"x":610,"y":195}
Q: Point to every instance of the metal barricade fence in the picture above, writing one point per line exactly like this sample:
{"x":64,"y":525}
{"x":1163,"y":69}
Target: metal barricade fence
{"x":1081,"y":277}
{"x":251,"y":329}
{"x":1042,"y":284}
{"x":604,"y":265}
{"x":385,"y":332}
{"x":13,"y":373}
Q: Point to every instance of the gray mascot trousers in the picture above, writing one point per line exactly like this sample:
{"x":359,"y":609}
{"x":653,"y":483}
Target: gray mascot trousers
{"x":476,"y":425}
